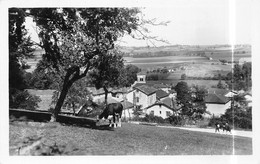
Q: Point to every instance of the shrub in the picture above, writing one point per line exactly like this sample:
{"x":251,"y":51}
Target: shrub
{"x":154,"y":119}
{"x":175,"y":120}
{"x":24,"y":100}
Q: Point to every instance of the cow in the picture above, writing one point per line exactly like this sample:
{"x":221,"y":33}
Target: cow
{"x":226,"y":127}
{"x":223,"y":126}
{"x":115,"y":110}
{"x":218,"y":126}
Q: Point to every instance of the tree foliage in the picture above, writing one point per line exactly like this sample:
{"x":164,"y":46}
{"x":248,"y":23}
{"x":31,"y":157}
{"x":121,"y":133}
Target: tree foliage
{"x":20,"y":48}
{"x":76,"y":39}
{"x":241,"y":77}
{"x":191,"y":100}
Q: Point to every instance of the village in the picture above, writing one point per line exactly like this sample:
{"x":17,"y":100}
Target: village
{"x":78,"y":85}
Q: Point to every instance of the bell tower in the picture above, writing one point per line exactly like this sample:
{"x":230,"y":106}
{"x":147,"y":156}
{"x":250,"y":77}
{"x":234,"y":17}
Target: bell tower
{"x":141,"y":76}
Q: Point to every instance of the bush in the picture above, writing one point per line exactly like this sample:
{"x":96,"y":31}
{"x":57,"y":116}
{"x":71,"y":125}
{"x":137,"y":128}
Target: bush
{"x":175,"y":120}
{"x":24,"y":100}
{"x":154,"y":119}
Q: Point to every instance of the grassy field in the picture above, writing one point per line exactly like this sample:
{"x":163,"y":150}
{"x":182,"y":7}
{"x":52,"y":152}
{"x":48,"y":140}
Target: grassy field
{"x":131,"y":139}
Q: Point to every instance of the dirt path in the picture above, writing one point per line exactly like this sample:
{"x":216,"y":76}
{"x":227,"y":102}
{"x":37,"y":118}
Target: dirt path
{"x":212,"y":130}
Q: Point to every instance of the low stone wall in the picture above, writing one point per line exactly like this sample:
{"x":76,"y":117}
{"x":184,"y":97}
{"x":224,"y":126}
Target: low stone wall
{"x":45,"y":116}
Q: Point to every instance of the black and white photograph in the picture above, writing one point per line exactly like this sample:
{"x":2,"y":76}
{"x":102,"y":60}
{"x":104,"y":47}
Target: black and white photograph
{"x":155,"y":79}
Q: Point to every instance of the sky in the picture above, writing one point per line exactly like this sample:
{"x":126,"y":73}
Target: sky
{"x":194,"y":22}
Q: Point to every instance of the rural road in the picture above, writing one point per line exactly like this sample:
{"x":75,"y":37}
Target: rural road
{"x":211,"y":130}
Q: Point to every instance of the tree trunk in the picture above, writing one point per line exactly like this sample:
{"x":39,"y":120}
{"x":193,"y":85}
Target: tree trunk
{"x":73,"y":107}
{"x":106,"y":92}
{"x":60,"y":101}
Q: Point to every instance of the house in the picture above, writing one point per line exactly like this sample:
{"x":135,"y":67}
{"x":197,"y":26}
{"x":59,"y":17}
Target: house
{"x":141,"y":76}
{"x":223,"y":92}
{"x":144,"y":96}
{"x":217,"y":104}
{"x":119,"y":93}
{"x":160,"y":109}
{"x":110,"y":100}
{"x":98,"y":93}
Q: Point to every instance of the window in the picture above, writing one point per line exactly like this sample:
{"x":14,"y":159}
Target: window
{"x":137,"y":99}
{"x":152,"y":112}
{"x":141,"y":79}
{"x":160,"y":112}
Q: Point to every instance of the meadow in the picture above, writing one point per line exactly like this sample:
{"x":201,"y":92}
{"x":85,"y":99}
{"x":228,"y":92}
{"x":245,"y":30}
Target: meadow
{"x":131,"y":139}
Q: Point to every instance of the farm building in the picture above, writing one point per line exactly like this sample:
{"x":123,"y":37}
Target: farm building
{"x":144,"y":96}
{"x":217,"y":104}
{"x":98,"y":93}
{"x":223,"y":92}
{"x":160,"y":109}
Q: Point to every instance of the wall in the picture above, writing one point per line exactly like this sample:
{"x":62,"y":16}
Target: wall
{"x":145,"y":100}
{"x":130,"y":96}
{"x":157,"y":109}
{"x":128,"y":113}
{"x":218,"y":109}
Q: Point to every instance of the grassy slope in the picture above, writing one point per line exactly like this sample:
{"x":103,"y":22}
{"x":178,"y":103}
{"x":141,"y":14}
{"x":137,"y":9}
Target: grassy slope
{"x":129,"y":140}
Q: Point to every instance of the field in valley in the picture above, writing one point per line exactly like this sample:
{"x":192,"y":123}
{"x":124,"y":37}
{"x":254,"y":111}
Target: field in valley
{"x":131,"y":139}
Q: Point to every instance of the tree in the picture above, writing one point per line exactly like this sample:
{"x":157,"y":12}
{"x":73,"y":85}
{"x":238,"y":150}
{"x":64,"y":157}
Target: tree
{"x":131,"y":73}
{"x":74,"y":39}
{"x":192,"y":101}
{"x":247,"y":71}
{"x":20,"y":48}
{"x":184,"y":97}
{"x":241,"y":77}
{"x":183,"y":76}
{"x":109,"y":72}
{"x":199,"y":105}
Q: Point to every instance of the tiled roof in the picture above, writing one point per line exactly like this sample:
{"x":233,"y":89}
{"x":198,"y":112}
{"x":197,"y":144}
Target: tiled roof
{"x":95,"y":91}
{"x":160,"y":103}
{"x":218,"y":91}
{"x":172,"y":91}
{"x":141,"y":73}
{"x":216,"y":99}
{"x":161,"y":94}
{"x":126,"y":104}
{"x":109,"y":100}
{"x":160,"y":85}
{"x":146,"y":89}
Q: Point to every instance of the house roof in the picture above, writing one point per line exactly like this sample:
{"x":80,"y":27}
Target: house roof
{"x":126,"y":104}
{"x":120,"y":90}
{"x":161,"y":94}
{"x":154,"y":84}
{"x":160,"y":103}
{"x":146,"y":89}
{"x":218,"y":91}
{"x":160,"y":85}
{"x":141,"y":73}
{"x":214,"y":98}
{"x":100,"y":91}
{"x":172,"y":91}
{"x":109,"y":100}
